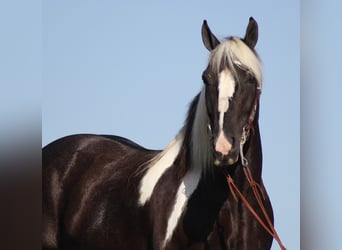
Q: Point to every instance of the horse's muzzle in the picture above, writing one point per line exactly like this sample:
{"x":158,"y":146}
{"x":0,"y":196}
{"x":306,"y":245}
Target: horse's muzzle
{"x":226,"y":160}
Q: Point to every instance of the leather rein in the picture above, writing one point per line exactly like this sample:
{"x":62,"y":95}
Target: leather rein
{"x":256,"y":188}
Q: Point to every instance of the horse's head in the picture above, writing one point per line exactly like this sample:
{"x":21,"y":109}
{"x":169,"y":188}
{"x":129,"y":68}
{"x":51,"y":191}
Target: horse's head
{"x":232,"y":81}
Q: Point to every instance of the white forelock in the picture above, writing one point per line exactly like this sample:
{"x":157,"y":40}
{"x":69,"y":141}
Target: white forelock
{"x":236,"y":53}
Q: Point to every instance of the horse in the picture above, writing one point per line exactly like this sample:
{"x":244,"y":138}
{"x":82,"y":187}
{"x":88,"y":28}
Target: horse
{"x":107,"y":192}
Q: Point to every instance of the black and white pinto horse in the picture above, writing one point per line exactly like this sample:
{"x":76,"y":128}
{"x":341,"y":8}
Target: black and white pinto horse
{"x":106,"y":192}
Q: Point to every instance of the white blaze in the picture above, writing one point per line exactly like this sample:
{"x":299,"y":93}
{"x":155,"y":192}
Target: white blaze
{"x":226,"y":88}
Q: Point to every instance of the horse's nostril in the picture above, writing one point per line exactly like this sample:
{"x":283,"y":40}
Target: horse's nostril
{"x":233,"y":159}
{"x":217,"y":162}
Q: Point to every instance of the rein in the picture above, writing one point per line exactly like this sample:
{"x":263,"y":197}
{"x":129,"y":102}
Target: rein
{"x":256,"y":188}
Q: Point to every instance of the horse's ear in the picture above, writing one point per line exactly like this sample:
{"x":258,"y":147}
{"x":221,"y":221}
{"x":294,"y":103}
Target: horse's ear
{"x":209,"y":39}
{"x":251,"y":36}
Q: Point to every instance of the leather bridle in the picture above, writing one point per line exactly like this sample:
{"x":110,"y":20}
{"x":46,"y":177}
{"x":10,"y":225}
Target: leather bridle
{"x":256,"y":188}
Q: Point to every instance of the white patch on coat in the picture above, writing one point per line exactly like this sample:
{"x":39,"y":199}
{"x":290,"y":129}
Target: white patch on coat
{"x":157,"y":168}
{"x":185,"y":190}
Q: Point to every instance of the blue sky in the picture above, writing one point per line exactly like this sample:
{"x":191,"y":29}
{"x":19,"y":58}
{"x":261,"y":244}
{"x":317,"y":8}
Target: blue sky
{"x":131,"y":69}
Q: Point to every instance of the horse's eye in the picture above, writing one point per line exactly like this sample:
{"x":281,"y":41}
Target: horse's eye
{"x":208,"y":78}
{"x":251,"y":78}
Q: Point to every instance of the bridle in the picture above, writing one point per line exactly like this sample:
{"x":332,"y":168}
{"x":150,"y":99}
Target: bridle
{"x":256,"y":188}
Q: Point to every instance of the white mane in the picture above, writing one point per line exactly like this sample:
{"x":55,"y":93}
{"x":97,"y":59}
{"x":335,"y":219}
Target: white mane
{"x":201,"y":149}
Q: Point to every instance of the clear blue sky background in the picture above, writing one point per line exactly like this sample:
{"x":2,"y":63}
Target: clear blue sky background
{"x":131,"y":69}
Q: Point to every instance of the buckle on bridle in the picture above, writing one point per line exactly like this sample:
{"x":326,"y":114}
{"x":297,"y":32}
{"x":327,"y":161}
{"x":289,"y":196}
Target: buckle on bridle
{"x":244,"y":138}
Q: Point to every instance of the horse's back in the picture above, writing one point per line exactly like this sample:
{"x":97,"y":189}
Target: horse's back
{"x":84,"y":177}
{"x":67,"y":154}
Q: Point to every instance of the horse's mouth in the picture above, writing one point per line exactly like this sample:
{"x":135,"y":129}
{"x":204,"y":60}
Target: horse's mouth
{"x":223,"y":161}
